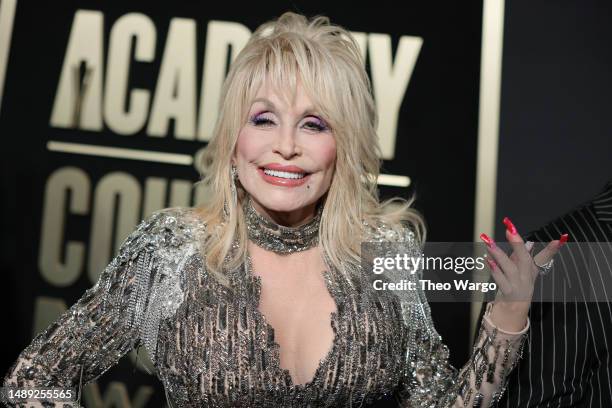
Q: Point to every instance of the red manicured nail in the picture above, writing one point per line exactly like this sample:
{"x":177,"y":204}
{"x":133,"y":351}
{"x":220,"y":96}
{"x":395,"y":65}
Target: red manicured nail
{"x":510,"y":226}
{"x":491,"y":263}
{"x":563,"y":239}
{"x":490,"y":243}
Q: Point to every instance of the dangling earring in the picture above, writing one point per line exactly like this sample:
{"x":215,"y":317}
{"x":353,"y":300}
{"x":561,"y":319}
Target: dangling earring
{"x":233,"y":186}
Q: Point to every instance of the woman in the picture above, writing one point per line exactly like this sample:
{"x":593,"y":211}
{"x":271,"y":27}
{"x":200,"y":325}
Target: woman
{"x":257,"y":298}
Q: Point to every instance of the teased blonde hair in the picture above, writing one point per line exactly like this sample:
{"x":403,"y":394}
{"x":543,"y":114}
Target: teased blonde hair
{"x":327,"y":60}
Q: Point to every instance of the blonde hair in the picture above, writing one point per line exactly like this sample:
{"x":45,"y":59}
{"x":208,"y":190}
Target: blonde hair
{"x":327,"y":60}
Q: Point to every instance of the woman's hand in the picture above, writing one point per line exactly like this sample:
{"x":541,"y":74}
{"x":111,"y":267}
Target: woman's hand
{"x":515,"y":276}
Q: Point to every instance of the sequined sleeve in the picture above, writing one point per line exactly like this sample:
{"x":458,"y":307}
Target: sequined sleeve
{"x":432,"y":382}
{"x":95,"y":332}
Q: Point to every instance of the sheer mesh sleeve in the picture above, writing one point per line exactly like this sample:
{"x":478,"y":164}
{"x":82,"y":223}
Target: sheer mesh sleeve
{"x":95,"y":332}
{"x":432,"y":382}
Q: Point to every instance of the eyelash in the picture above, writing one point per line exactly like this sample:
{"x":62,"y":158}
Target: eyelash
{"x":257,"y":120}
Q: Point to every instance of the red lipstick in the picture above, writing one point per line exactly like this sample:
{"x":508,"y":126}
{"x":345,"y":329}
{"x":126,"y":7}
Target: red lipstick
{"x":280,"y":181}
{"x":280,"y":167}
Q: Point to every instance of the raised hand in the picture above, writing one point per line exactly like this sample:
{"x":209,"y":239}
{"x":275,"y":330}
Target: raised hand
{"x":515,"y":276}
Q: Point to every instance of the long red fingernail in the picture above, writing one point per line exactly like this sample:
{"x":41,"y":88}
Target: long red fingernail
{"x":563,"y":239}
{"x":491,"y":263}
{"x":490,"y":243}
{"x":510,"y":226}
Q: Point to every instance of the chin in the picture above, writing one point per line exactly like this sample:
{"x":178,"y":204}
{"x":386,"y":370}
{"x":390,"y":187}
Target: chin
{"x":281,"y":201}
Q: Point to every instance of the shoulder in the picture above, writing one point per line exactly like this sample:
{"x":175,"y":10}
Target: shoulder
{"x":166,"y":228}
{"x":381,"y":231}
{"x":383,"y":239}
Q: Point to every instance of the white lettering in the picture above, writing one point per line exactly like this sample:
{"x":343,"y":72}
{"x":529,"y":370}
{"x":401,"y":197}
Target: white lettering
{"x":390,"y":80}
{"x":73,"y":183}
{"x":82,"y":103}
{"x":78,"y":103}
{"x":175,"y":93}
{"x":121,"y":116}
{"x":220,"y":36}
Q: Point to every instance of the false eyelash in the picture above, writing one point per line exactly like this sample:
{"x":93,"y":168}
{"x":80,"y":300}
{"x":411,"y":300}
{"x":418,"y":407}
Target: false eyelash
{"x":260,"y":121}
{"x":320,"y":124}
{"x":257,"y":120}
{"x":317,"y":125}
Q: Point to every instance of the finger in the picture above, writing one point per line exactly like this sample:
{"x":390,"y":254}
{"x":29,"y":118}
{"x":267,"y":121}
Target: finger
{"x":507,"y":266}
{"x":516,"y":241}
{"x":528,"y":246}
{"x":549,"y":251}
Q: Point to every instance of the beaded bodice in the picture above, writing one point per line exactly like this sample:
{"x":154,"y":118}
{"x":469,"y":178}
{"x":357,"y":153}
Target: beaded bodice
{"x":211,"y":347}
{"x":239,"y":362}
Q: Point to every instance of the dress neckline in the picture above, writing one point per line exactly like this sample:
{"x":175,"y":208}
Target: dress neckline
{"x":335,"y":318}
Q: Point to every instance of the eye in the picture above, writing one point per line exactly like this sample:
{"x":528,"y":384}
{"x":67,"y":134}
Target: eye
{"x":316,"y":124}
{"x":260,"y":119}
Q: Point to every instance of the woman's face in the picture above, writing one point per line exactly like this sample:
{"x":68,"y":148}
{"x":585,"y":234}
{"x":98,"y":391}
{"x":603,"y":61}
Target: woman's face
{"x":285,"y":156}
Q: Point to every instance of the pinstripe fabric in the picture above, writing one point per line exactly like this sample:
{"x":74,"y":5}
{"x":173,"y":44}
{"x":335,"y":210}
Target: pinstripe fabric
{"x":567,"y":360}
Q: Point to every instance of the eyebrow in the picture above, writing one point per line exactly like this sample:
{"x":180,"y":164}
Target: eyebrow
{"x":270,"y":105}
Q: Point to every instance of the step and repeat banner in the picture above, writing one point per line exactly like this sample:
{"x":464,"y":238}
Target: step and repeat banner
{"x":105,"y":104}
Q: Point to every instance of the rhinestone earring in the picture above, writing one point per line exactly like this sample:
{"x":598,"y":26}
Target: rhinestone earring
{"x":234,"y":174}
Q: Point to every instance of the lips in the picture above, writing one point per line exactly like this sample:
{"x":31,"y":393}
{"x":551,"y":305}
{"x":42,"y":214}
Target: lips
{"x":280,"y":167}
{"x":281,"y":181}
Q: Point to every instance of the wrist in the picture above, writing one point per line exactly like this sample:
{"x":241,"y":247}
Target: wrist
{"x":511,"y":317}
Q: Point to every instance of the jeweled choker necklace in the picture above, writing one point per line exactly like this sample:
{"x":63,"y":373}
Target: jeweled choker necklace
{"x":278,"y":238}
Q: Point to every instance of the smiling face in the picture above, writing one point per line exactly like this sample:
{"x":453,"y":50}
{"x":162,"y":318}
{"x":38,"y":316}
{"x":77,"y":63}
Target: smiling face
{"x":285,"y":156}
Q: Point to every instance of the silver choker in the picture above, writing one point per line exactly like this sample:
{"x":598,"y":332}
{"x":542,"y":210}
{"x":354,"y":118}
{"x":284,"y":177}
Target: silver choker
{"x":274,"y":237}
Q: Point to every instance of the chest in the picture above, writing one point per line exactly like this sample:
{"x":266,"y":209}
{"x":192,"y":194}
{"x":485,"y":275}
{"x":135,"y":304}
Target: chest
{"x":220,"y":346}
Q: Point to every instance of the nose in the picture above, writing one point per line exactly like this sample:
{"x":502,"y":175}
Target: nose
{"x":286,"y":144}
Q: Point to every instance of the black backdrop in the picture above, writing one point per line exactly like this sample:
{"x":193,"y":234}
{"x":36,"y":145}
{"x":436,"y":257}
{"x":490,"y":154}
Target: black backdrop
{"x":555,"y":146}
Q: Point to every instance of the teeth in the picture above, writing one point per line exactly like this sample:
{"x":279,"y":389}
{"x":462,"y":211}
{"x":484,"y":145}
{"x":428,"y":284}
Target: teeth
{"x":284,"y":174}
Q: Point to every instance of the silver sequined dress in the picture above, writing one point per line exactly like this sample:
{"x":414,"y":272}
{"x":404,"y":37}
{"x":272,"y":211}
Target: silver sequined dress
{"x":213,"y":348}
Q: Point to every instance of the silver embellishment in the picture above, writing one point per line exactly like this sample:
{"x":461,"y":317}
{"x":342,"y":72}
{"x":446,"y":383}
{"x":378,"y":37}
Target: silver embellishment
{"x":274,"y":237}
{"x":544,"y":269}
{"x":234,"y":178}
{"x":213,"y":348}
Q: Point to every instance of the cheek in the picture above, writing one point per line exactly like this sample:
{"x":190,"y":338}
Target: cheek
{"x":327,"y":153}
{"x":248,"y":147}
